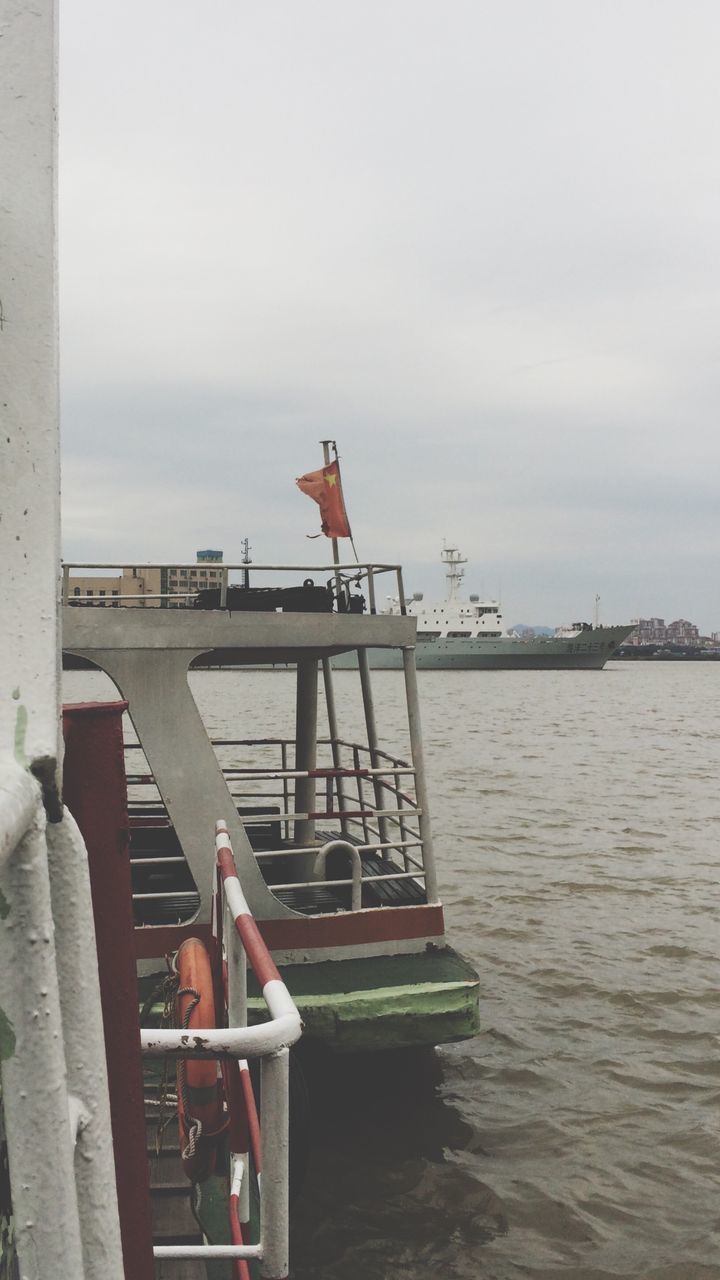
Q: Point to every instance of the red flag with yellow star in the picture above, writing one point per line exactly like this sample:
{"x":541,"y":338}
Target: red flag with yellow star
{"x":324,"y":487}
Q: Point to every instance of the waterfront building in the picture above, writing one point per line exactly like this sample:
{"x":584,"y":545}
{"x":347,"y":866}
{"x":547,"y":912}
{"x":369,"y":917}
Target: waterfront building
{"x":148,"y":585}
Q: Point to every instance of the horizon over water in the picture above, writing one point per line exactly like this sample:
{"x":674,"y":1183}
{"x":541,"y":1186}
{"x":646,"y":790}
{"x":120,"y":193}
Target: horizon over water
{"x":576,"y":818}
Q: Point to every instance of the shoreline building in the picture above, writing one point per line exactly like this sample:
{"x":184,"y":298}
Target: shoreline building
{"x":146,"y":586}
{"x":655,"y":631}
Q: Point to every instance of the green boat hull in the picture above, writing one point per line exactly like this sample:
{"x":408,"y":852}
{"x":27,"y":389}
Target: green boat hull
{"x":383,"y":1002}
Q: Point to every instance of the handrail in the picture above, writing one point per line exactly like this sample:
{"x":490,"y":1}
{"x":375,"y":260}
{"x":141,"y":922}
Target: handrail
{"x":351,"y":568}
{"x":270,"y":1041}
{"x":357,"y":869}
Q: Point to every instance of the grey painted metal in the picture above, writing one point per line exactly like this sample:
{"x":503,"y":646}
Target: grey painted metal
{"x":84,"y":1049}
{"x":401,"y":593}
{"x":185,"y":767}
{"x":357,"y":869}
{"x":90,"y":632}
{"x":306,"y":714}
{"x":274,"y":1192}
{"x":372,"y":737}
{"x":34,"y":1083}
{"x":421,"y":789}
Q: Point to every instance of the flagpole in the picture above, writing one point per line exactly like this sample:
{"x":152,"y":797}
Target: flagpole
{"x":336,"y":554}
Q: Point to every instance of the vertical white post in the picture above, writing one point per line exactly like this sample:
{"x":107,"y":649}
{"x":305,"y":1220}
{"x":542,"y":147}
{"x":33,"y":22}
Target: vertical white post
{"x":274,"y":1199}
{"x":42,"y":1001}
{"x":30,"y":483}
{"x":369,"y":709}
{"x":421,"y":790}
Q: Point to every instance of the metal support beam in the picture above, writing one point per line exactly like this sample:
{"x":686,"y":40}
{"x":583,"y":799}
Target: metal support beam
{"x":421,"y":790}
{"x":274,"y":1198}
{"x":306,"y":748}
{"x":372,"y":737}
{"x":333,"y":729}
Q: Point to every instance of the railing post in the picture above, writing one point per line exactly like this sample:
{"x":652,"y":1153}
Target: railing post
{"x":371,"y":589}
{"x":274,"y":1197}
{"x":401,"y":592}
{"x":223,"y":588}
{"x":333,"y":729}
{"x":369,"y":709}
{"x":306,"y":747}
{"x":421,"y":791}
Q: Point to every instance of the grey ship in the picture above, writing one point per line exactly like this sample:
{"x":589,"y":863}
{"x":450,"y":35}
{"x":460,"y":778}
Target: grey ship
{"x":467,"y":635}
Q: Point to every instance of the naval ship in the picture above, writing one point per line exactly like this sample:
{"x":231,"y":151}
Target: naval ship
{"x":467,"y":635}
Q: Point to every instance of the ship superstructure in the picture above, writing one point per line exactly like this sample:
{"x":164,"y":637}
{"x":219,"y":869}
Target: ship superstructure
{"x":458,"y":634}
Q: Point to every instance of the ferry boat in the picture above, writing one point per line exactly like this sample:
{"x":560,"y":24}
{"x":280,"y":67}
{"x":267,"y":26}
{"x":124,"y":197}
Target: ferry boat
{"x":468,"y":635}
{"x":332,"y":837}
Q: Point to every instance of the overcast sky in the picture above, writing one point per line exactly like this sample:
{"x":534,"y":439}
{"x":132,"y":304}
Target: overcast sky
{"x":475,"y":242}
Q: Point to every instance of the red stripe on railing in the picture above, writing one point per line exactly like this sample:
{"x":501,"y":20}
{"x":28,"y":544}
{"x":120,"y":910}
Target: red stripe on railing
{"x":241,"y":1269}
{"x":253,"y":1118}
{"x":263,"y":966}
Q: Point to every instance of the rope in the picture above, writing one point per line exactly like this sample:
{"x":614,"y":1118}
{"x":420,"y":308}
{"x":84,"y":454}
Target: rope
{"x":193,"y":1126}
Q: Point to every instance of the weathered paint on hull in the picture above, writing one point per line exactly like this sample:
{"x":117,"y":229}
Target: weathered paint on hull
{"x":387,"y":1002}
{"x":588,"y":651}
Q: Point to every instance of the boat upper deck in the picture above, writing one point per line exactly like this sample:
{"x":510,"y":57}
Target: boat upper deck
{"x":242,"y":637}
{"x":151,"y":607}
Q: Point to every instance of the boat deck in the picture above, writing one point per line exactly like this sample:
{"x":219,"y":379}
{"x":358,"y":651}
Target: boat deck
{"x":164,"y":891}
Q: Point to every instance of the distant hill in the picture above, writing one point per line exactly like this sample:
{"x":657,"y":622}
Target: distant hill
{"x":521,"y":627}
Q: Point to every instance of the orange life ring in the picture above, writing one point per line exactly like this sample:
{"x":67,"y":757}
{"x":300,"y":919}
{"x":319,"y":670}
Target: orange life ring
{"x":200,"y":1101}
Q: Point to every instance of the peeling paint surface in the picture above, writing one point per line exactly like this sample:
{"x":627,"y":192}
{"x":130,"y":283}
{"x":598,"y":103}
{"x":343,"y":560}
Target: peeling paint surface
{"x":7,"y":1037}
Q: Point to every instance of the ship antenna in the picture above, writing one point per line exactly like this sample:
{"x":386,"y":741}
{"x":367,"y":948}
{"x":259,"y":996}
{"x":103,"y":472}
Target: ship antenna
{"x":597,"y":612}
{"x":245,"y":544}
{"x":452,"y":559}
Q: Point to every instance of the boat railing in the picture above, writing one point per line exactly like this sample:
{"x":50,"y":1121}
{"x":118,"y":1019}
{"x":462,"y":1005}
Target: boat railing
{"x":339,"y":577}
{"x":261,"y":1143}
{"x":370,"y":799}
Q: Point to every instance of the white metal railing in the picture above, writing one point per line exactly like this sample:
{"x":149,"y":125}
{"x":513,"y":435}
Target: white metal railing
{"x":269,"y":1041}
{"x":342,"y":576}
{"x":352,"y":798}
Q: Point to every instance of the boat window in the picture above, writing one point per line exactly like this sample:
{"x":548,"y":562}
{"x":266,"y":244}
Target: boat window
{"x":457,"y":635}
{"x":428,"y":635}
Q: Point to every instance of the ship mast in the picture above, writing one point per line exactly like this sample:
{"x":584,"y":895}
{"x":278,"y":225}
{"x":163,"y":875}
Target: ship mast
{"x":454,"y":574}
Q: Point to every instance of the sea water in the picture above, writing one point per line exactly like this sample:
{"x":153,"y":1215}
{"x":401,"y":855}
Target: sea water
{"x":576,"y":818}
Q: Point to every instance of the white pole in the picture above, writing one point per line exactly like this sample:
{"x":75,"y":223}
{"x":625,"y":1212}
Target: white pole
{"x":274,"y":1199}
{"x":421,"y":789}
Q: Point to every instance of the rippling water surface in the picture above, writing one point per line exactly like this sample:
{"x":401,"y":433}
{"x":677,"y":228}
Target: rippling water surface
{"x":576,"y":820}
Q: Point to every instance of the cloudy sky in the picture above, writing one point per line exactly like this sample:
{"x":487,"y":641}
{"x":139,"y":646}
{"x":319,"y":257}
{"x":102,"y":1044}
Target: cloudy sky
{"x":476,"y":241}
